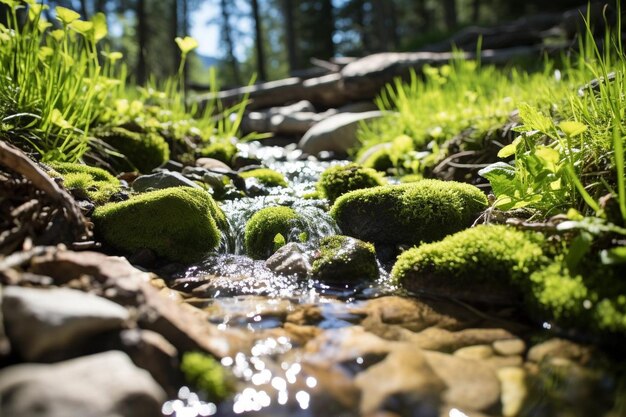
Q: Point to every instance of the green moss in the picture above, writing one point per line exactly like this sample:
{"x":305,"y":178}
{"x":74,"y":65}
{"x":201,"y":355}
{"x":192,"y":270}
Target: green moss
{"x":207,"y":374}
{"x":488,"y":261}
{"x":411,"y":178}
{"x":222,"y":151}
{"x":263,"y":227}
{"x":144,"y":151}
{"x":423,"y":211}
{"x":180,"y":224}
{"x":338,"y":180}
{"x":266,"y":176}
{"x":341,"y":258}
{"x":95,"y":183}
{"x":379,"y":160}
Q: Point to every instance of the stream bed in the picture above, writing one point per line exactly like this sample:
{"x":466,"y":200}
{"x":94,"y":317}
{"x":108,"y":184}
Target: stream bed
{"x":307,"y":348}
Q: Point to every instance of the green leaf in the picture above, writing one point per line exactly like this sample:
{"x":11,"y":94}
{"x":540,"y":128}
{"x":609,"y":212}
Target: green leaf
{"x":82,"y":26}
{"x":100,"y":29}
{"x":66,"y":15}
{"x":57,"y":119}
{"x":549,"y":157}
{"x":614,"y":256}
{"x":578,"y":249}
{"x":509,"y":149}
{"x":303,"y":237}
{"x":186,"y":44}
{"x":501,"y":176}
{"x":572,"y":128}
{"x":279,"y":241}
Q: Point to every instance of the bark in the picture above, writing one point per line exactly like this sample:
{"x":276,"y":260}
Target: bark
{"x":142,"y":42}
{"x":258,"y":42}
{"x":450,"y":14}
{"x":290,"y":35}
{"x":227,"y":36}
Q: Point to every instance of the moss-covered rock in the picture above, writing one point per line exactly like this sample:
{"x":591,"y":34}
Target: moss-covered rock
{"x":266,"y":176}
{"x":343,"y":258}
{"x":484,"y":263}
{"x":340,"y":179}
{"x":412,"y":213}
{"x":265,"y":224}
{"x":207,"y":374}
{"x":378,"y":159}
{"x":220,"y":150}
{"x":144,"y":151}
{"x":180,"y":224}
{"x":95,"y":183}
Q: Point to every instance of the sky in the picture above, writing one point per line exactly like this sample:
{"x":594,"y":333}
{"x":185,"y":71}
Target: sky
{"x":208,"y":34}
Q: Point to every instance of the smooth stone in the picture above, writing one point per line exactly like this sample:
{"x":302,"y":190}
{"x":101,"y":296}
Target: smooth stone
{"x":514,"y":392}
{"x":337,"y":133}
{"x":290,"y":259}
{"x":560,"y":348}
{"x":43,"y":322}
{"x":162,"y":179}
{"x":509,"y":347}
{"x":476,"y":352}
{"x":102,"y":385}
{"x":497,"y":362}
{"x":212,"y":164}
{"x":446,"y":341}
{"x":403,"y":380}
{"x":470,"y":384}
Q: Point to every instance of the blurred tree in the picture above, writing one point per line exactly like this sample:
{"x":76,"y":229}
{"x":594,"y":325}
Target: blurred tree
{"x":258,"y":41}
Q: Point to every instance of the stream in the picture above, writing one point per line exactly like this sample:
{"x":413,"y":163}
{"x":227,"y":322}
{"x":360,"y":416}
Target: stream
{"x":313,"y":349}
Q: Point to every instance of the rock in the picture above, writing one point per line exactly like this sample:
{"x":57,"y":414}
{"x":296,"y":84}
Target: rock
{"x":509,"y":347}
{"x":142,"y":151}
{"x":514,"y":392}
{"x":343,"y":259}
{"x":410,"y":386}
{"x":5,"y":344}
{"x":212,"y":164}
{"x":161,"y":180}
{"x":263,"y":228}
{"x":470,"y":384}
{"x":477,"y":352}
{"x":336,"y":133}
{"x":180,"y":224}
{"x":291,"y":259}
{"x":447,"y":341}
{"x":486,"y":263}
{"x":340,"y":179}
{"x":560,"y":348}
{"x":42,"y":323}
{"x":102,"y":385}
{"x":410,"y":214}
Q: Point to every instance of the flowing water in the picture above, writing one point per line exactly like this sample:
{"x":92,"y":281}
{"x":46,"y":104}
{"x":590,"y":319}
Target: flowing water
{"x":316,"y":349}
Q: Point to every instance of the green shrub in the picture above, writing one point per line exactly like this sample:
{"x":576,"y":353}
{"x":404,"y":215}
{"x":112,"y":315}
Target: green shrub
{"x":411,"y":213}
{"x":207,"y":374}
{"x":266,"y":176}
{"x":263,"y":227}
{"x":221,"y":150}
{"x":340,"y":179}
{"x":180,"y":224}
{"x":95,"y":183}
{"x":341,"y":258}
{"x":482,"y":263}
{"x":144,"y":151}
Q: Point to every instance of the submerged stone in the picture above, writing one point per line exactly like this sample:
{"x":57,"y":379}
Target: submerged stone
{"x":180,"y":224}
{"x":412,"y":213}
{"x":343,"y":258}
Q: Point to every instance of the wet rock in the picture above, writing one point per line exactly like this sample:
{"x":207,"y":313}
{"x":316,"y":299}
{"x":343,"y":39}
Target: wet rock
{"x":560,"y":348}
{"x":337,"y":133}
{"x":212,"y":164}
{"x":305,"y":314}
{"x":102,"y":385}
{"x":162,"y":179}
{"x":477,"y":352}
{"x":45,"y":323}
{"x":509,"y":347}
{"x":5,"y":345}
{"x":498,"y":362}
{"x":290,"y":259}
{"x":514,"y":392}
{"x":446,"y":341}
{"x":343,"y":259}
{"x":256,"y":311}
{"x":470,"y":384}
{"x":410,"y":386}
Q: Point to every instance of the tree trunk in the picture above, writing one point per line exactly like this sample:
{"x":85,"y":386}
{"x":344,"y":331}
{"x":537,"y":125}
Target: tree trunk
{"x":258,"y":42}
{"x":424,"y":14}
{"x":83,"y":9}
{"x":142,"y":41}
{"x":174,"y":34}
{"x":228,"y":41}
{"x":290,"y":35}
{"x":450,"y":14}
{"x":475,"y":11}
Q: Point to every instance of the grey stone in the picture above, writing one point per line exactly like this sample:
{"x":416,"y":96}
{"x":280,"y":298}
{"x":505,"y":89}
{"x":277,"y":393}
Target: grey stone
{"x":336,"y":133}
{"x":344,"y":258}
{"x":212,"y":164}
{"x":290,"y":259}
{"x":102,"y":385}
{"x":44,"y":321}
{"x":162,"y":179}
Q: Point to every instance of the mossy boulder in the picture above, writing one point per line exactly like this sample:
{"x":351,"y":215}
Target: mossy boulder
{"x":484,"y":263}
{"x":180,"y":224}
{"x":144,"y":151}
{"x":412,"y":213}
{"x":221,"y":150}
{"x":266,"y":176}
{"x":264,"y":226}
{"x":205,"y":373}
{"x":343,"y":258}
{"x":94,"y":183}
{"x":340,"y":179}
